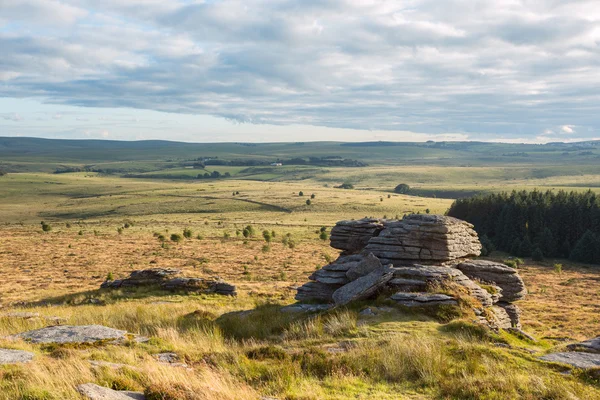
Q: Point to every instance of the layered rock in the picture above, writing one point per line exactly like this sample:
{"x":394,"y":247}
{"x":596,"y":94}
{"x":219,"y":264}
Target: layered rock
{"x":424,"y":238}
{"x":168,"y":279}
{"x":353,"y":236}
{"x":418,"y":261}
{"x":503,"y":276}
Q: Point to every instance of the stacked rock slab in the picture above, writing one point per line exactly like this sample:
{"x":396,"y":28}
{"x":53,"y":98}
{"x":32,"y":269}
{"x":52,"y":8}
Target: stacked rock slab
{"x":411,"y":259}
{"x":169,"y":279}
{"x":425,"y":239}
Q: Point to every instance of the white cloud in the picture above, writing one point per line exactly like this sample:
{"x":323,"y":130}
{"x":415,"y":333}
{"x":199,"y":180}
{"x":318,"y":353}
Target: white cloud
{"x":567,"y":129}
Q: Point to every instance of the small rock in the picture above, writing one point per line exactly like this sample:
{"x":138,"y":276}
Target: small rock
{"x":309,"y":308}
{"x":14,"y":356}
{"x":95,"y":392}
{"x":171,"y":359}
{"x":367,"y":312}
{"x":590,"y":346}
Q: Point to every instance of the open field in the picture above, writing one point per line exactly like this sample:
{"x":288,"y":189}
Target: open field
{"x":339,"y":355}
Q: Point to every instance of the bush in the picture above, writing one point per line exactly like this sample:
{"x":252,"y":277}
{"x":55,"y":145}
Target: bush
{"x":120,"y":230}
{"x":312,"y":196}
{"x":345,"y":185}
{"x":46,"y":227}
{"x":308,"y":202}
{"x":176,"y":237}
{"x":187,"y":233}
{"x":558,"y":268}
{"x":402,"y":188}
{"x":248,"y":231}
{"x":300,"y":194}
{"x":267,"y":236}
{"x":323,"y":236}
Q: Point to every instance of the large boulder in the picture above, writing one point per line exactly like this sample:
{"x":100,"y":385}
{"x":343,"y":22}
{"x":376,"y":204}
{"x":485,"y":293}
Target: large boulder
{"x":424,"y":238}
{"x":576,"y":359}
{"x":353,"y":236}
{"x":503,"y":276}
{"x":590,"y":346}
{"x":144,"y":277}
{"x":169,"y":279}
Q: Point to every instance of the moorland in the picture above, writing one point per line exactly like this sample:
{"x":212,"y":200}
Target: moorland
{"x":112,"y":207}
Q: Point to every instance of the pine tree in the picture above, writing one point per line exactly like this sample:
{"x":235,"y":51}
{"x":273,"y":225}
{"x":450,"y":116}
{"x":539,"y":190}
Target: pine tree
{"x":586,"y":248}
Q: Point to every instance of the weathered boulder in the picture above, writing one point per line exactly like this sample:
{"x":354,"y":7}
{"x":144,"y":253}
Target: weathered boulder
{"x":423,"y":299}
{"x":353,"y":236}
{"x":420,"y":277}
{"x":316,"y":291}
{"x":168,"y":279}
{"x":200,"y":285}
{"x":363,"y":287}
{"x":73,"y":334}
{"x":575,"y":358}
{"x":513,"y":312}
{"x":14,"y":356}
{"x":95,"y":392}
{"x":503,"y":276}
{"x":368,"y":264}
{"x":145,"y":277}
{"x":590,"y":346}
{"x":500,"y":318}
{"x":424,"y":238}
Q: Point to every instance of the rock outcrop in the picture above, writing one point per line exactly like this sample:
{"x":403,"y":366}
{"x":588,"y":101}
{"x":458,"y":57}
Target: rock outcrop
{"x":503,"y":276}
{"x":73,"y":334}
{"x":424,"y":238}
{"x":419,"y":261}
{"x":169,"y":279}
{"x":353,"y":236}
{"x":582,"y":355}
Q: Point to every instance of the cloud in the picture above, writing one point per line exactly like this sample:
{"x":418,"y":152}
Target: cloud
{"x":567,"y":129}
{"x":502,"y":69}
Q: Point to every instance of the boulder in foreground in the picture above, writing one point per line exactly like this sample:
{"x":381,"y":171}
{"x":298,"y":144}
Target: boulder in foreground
{"x":14,"y":356}
{"x":94,"y":392}
{"x":73,"y":334}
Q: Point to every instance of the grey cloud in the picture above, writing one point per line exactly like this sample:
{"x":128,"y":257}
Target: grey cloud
{"x":482,"y":67}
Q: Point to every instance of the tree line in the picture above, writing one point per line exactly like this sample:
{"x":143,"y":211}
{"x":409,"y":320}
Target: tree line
{"x":536,"y":224}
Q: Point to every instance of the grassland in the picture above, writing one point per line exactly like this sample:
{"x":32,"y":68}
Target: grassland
{"x":338,"y":355}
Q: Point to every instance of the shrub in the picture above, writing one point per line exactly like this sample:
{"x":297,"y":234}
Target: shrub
{"x":161,"y":238}
{"x":226,"y":235}
{"x":312,"y":196}
{"x":80,"y":233}
{"x":511,"y":263}
{"x":323,"y":235}
{"x":558,"y":268}
{"x":402,"y":188}
{"x":300,"y":194}
{"x":308,"y":202}
{"x":266,"y":248}
{"x":119,"y":230}
{"x":267,"y":236}
{"x":110,"y":277}
{"x":427,"y":211}
{"x":46,"y":227}
{"x":187,"y":233}
{"x":176,"y":237}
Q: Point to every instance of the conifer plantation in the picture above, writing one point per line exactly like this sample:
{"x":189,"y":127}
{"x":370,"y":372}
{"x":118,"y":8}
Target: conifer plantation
{"x":540,"y":224}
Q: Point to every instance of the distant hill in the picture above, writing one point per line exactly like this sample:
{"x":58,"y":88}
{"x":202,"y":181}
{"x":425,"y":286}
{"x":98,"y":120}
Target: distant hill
{"x":35,"y":154}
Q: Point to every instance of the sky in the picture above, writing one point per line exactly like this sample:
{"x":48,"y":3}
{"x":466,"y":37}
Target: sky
{"x":301,"y":70}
